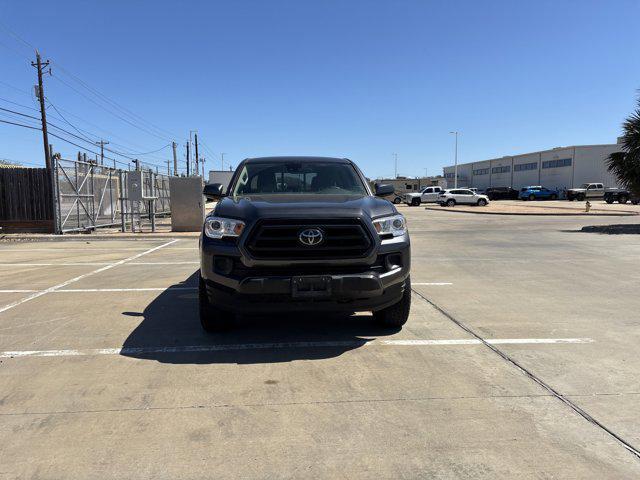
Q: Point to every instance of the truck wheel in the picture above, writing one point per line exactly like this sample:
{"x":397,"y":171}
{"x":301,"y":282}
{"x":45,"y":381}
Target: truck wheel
{"x":532,"y":197}
{"x":397,"y":200}
{"x":581,"y":197}
{"x":554,"y":197}
{"x":482,"y":202}
{"x":212,"y":319}
{"x":415,"y":202}
{"x":397,"y":314}
{"x":609,"y":200}
{"x":451,"y":202}
{"x":622,"y":199}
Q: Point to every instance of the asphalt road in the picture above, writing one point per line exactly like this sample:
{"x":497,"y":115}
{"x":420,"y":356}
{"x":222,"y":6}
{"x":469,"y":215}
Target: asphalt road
{"x":520,"y":360}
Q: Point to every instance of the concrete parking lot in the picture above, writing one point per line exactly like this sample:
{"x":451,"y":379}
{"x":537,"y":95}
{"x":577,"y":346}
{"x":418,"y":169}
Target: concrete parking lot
{"x":519,"y":361}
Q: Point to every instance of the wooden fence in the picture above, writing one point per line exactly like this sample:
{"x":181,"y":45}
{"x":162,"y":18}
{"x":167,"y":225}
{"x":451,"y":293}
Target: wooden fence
{"x":26,"y":200}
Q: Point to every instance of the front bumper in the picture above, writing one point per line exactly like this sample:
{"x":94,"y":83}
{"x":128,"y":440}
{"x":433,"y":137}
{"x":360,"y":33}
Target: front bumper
{"x":364,"y":285}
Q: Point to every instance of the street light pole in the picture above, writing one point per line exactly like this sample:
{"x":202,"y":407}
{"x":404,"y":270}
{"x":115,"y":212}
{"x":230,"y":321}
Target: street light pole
{"x":395,"y":165}
{"x":455,"y":168}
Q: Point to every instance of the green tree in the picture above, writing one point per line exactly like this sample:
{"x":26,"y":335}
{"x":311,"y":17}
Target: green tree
{"x":625,"y":165}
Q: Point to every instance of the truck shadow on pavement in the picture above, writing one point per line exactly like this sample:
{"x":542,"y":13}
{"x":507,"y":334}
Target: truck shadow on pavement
{"x":170,"y":332}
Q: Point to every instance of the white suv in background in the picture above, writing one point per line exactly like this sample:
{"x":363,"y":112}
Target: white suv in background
{"x":462,"y":196}
{"x":426,"y":195}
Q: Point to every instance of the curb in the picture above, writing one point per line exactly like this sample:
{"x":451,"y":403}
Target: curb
{"x":583,"y":214}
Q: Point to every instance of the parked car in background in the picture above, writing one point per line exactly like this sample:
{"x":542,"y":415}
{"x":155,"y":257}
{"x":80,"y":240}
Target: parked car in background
{"x":538,"y":193}
{"x":426,"y":195}
{"x":620,"y":196}
{"x":463,"y":196}
{"x":501,"y":193}
{"x":590,"y":190}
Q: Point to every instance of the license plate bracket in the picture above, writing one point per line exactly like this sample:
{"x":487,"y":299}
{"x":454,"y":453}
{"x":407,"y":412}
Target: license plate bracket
{"x":311,"y":287}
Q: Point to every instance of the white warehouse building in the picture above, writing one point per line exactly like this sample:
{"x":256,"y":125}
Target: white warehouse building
{"x":559,"y":168}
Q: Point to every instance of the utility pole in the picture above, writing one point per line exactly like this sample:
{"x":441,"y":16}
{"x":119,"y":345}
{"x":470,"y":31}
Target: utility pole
{"x":203,"y":160}
{"x":395,"y":168}
{"x":102,"y":143}
{"x":43,"y":113}
{"x":222,"y":161}
{"x":174,"y":145}
{"x":168,"y":167}
{"x":191,"y":132}
{"x":137,"y":162}
{"x":197,"y":159}
{"x":455,"y":168}
{"x":188,"y":158}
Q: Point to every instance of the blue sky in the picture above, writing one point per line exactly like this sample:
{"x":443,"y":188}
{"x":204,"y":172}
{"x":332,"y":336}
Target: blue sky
{"x":361,"y":79}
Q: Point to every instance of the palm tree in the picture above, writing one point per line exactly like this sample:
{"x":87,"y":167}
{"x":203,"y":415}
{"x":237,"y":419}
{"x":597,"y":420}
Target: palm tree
{"x":625,"y":165}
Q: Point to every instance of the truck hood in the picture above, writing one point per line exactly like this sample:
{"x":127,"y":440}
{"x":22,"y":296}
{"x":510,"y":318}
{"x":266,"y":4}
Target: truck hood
{"x":254,"y":207}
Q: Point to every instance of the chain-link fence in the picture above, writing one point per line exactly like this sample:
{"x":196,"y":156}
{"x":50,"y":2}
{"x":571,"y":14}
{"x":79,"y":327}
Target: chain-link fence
{"x":90,"y":196}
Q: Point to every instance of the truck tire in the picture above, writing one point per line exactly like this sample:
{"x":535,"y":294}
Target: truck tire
{"x":212,"y":319}
{"x":581,"y":197}
{"x":397,"y":200}
{"x":482,"y":202}
{"x":623,"y":199}
{"x":532,"y":197}
{"x":609,"y":200}
{"x":397,"y":314}
{"x":451,"y":203}
{"x":554,"y":197}
{"x":415,"y":202}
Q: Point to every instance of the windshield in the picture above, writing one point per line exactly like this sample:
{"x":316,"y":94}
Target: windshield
{"x":281,"y":178}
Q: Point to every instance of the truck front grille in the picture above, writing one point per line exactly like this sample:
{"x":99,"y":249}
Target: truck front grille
{"x":275,"y":239}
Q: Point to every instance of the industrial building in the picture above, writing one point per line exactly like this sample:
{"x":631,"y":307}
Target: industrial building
{"x":559,"y":168}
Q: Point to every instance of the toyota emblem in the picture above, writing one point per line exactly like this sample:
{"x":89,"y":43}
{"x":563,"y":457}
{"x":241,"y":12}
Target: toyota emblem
{"x":311,"y":237}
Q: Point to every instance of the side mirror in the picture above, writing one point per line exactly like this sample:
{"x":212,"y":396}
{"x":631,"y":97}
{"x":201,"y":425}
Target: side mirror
{"x":384,"y":190}
{"x":213,"y":191}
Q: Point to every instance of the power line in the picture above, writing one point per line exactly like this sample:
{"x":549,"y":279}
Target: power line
{"x":113,"y":103}
{"x":110,"y":134}
{"x":109,"y":111}
{"x":15,"y":88}
{"x":20,"y":125}
{"x":19,"y":104}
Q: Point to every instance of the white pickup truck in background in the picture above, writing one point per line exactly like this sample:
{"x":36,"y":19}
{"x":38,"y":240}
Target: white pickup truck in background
{"x":589,"y":190}
{"x":426,"y":195}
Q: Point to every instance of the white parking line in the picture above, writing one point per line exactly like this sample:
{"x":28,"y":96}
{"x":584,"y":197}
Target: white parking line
{"x":432,"y":283}
{"x":18,"y":291}
{"x":78,"y":249}
{"x":71,"y":264}
{"x":82,"y":264}
{"x":278,"y":346}
{"x":80,"y":277}
{"x":150,"y":289}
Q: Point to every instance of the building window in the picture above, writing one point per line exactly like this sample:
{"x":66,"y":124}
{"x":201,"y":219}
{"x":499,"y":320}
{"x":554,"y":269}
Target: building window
{"x":481,"y":171}
{"x":563,"y":162}
{"x":408,"y":186}
{"x":449,"y":175}
{"x":505,"y":169}
{"x":525,"y":166}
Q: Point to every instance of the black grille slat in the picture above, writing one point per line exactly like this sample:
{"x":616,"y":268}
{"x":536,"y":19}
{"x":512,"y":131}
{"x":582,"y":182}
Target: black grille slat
{"x":278,"y":239}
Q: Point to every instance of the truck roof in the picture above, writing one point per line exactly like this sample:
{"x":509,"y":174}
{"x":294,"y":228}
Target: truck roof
{"x":297,"y":159}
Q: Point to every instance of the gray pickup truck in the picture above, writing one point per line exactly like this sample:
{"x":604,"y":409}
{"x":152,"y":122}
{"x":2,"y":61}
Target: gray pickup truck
{"x":590,"y":190}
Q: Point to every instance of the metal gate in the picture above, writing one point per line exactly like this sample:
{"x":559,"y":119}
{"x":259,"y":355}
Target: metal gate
{"x":89,"y":196}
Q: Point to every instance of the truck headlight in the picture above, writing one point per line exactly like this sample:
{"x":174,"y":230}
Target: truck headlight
{"x":395,"y":225}
{"x":217,"y":227}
